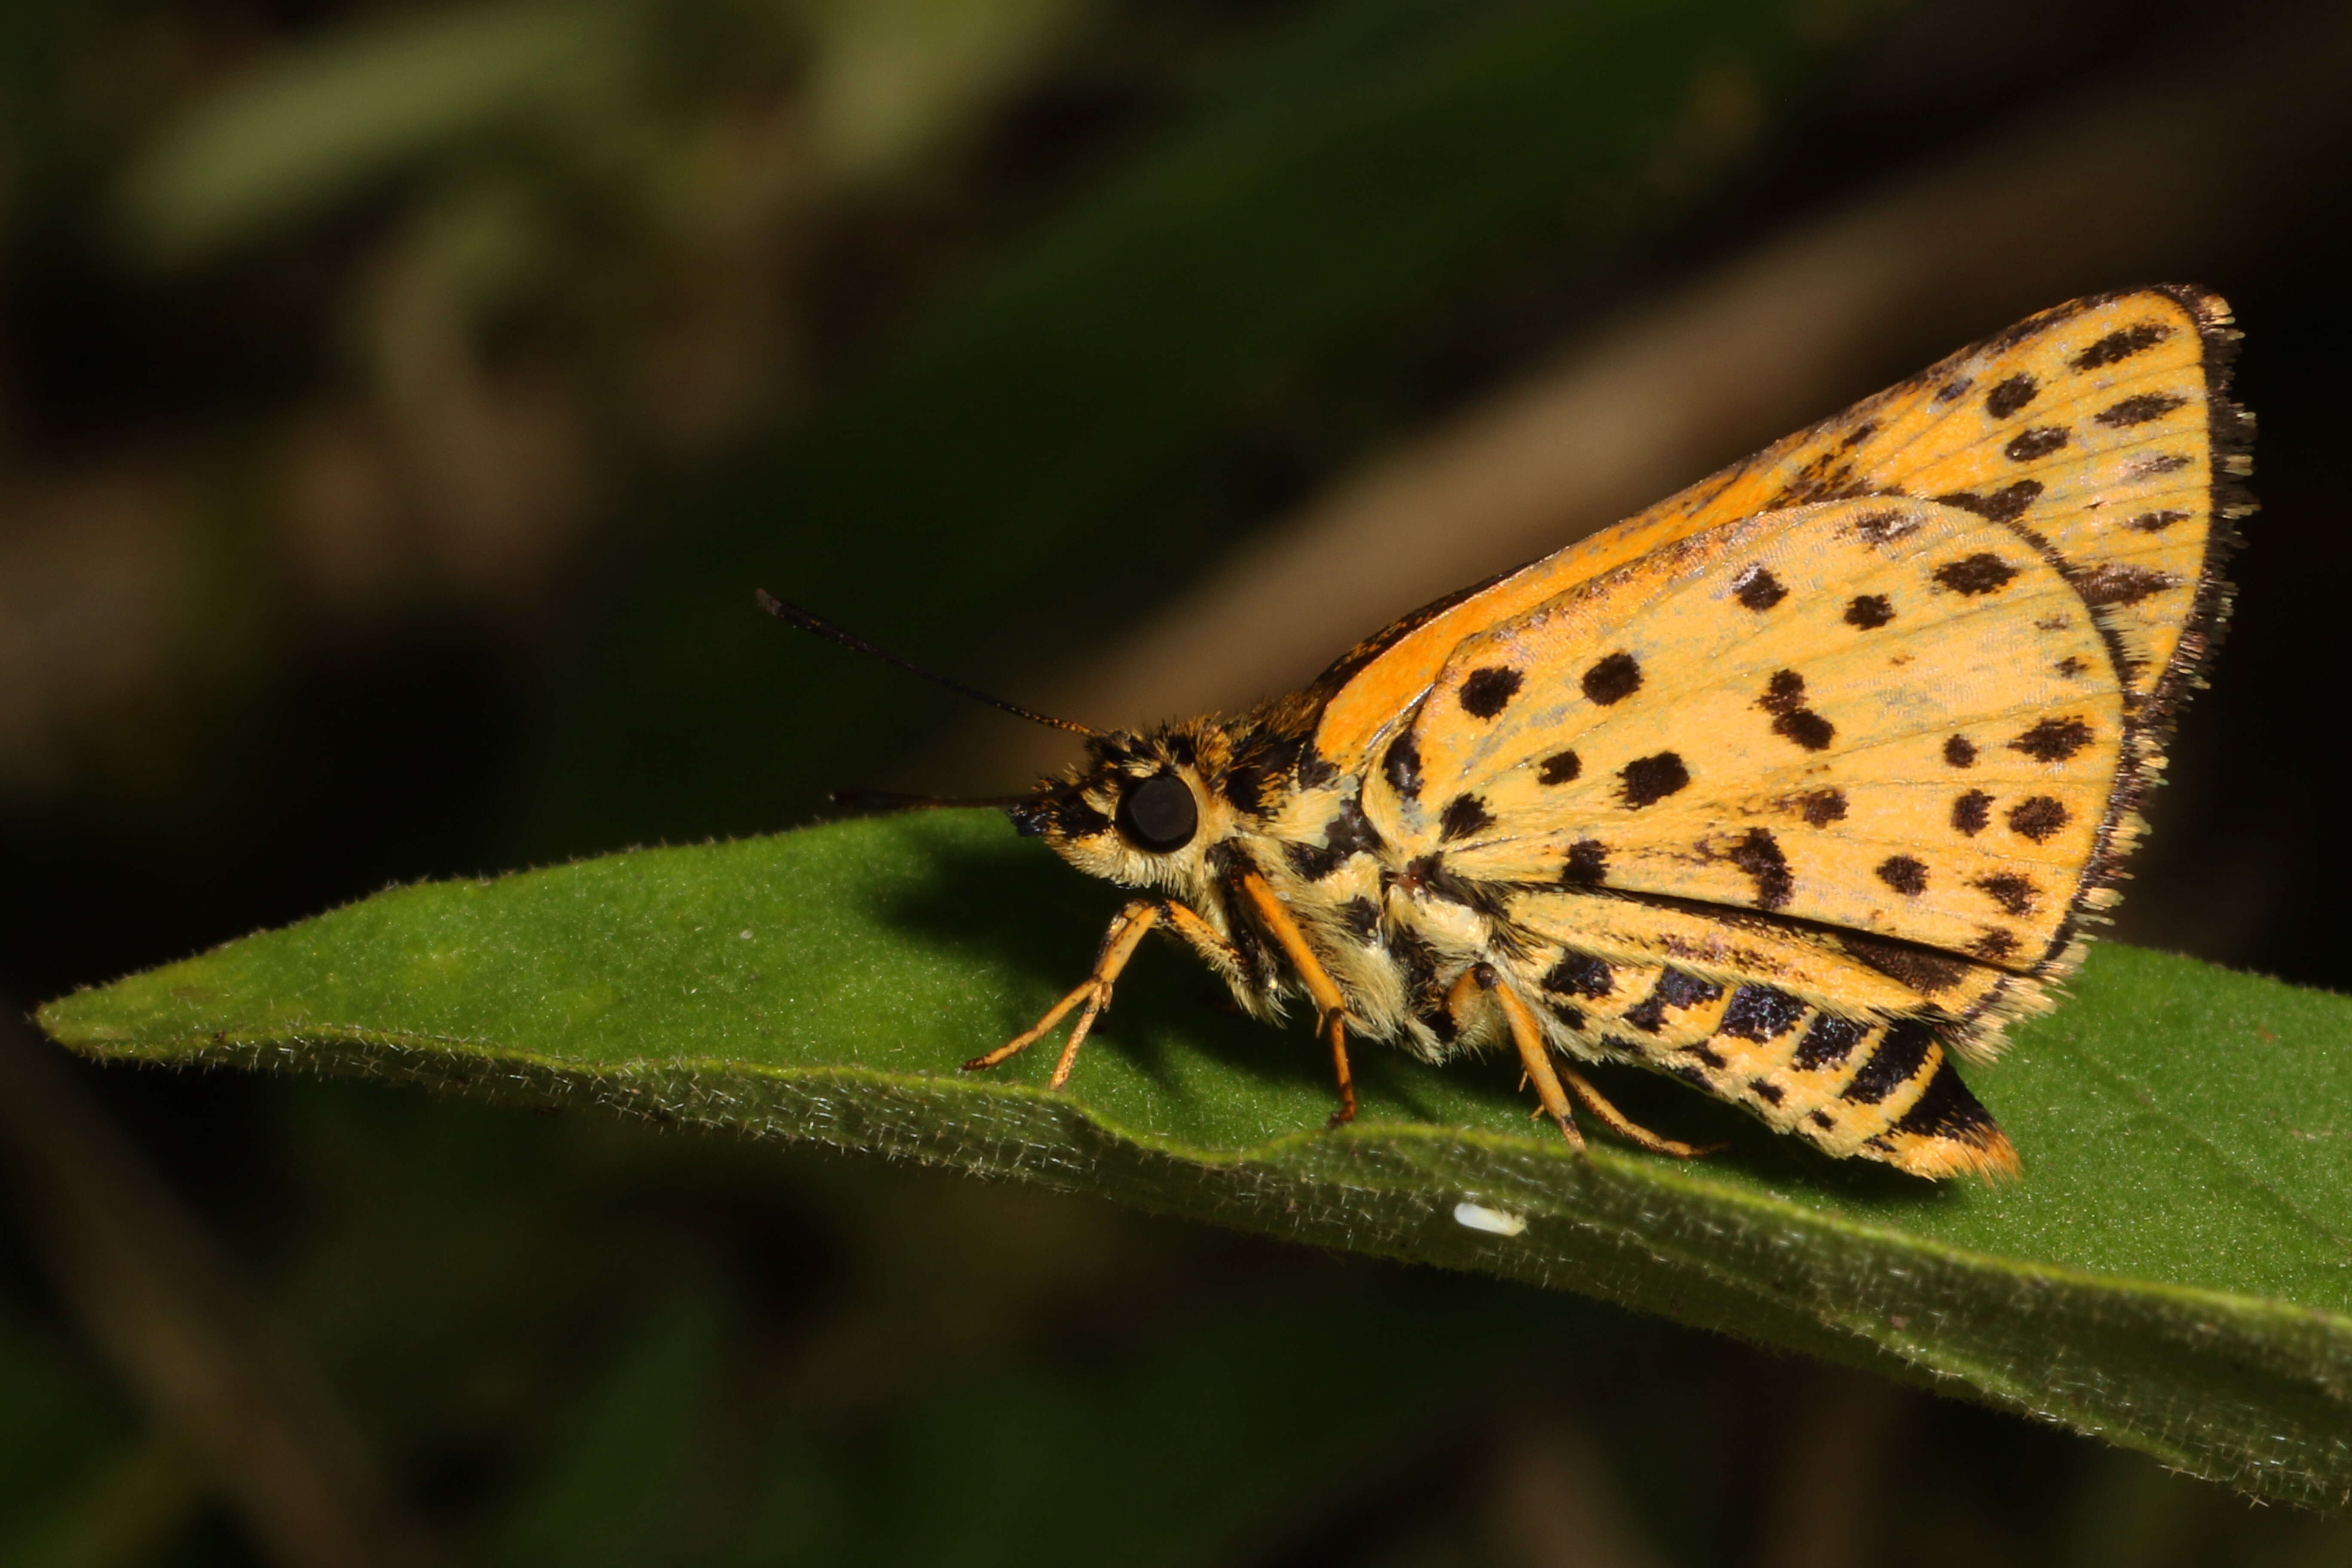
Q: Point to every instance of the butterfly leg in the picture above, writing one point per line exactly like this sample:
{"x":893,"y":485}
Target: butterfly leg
{"x":1332,"y":1020}
{"x":1535,"y":1052}
{"x":1631,"y":1131}
{"x":1127,"y":931}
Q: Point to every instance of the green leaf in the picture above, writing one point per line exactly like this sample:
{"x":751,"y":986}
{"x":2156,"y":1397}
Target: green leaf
{"x":2173,"y":1273}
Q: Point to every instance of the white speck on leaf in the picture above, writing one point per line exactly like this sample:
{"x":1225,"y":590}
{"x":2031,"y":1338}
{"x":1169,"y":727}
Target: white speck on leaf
{"x":1494,"y":1222}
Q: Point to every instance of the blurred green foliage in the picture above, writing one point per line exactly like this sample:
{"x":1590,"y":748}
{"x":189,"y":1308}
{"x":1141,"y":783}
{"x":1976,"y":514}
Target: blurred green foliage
{"x":540,"y":333}
{"x":1054,"y":443}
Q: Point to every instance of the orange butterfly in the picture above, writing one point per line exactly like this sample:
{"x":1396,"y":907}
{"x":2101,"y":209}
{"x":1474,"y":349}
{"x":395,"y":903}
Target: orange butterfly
{"x":1792,"y":787}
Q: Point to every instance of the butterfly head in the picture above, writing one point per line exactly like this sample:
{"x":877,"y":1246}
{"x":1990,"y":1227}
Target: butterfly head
{"x":1142,"y":810}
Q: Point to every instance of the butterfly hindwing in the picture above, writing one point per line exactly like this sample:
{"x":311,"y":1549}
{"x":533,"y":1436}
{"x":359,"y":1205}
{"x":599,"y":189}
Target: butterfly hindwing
{"x":1788,"y":1022}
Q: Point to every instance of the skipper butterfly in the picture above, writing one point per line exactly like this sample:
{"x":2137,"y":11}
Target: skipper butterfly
{"x":1795,"y":786}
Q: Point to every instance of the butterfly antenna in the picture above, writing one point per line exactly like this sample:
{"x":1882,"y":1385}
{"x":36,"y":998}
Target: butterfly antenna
{"x":808,"y":623}
{"x":891,"y":803}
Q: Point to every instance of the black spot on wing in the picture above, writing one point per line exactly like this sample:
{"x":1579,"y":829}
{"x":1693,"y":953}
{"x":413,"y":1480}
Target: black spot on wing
{"x":1765,"y":1090}
{"x":1953,"y":391}
{"x":1784,"y":699}
{"x":2121,"y":344}
{"x":1883,"y":528}
{"x":1960,"y":751}
{"x":2006,"y":504}
{"x":1758,"y":589}
{"x":2158,"y":521}
{"x":1587,"y":865}
{"x":2008,"y":398}
{"x":2154,"y":464}
{"x":2118,"y":583}
{"x":1464,"y":815}
{"x":1560,"y":768}
{"x":2139,"y":410}
{"x":1645,"y":781}
{"x":1972,"y":811}
{"x":1582,"y":975}
{"x":1820,"y":808}
{"x":1614,"y":678}
{"x":1994,"y":944}
{"x":2038,"y":818}
{"x":1761,"y":1012}
{"x":1894,"y":1063}
{"x":1982,"y":573}
{"x":1869,"y":612}
{"x":1905,"y":875}
{"x":1806,"y":728}
{"x":1568,"y":1012}
{"x":1946,"y":1108}
{"x":1828,"y":1043}
{"x":1675,"y":988}
{"x":2016,"y":895}
{"x":1679,"y":988}
{"x":1758,"y":854}
{"x":1488,"y":692}
{"x":1402,"y":765}
{"x":2039,"y":442}
{"x":2053,"y":740}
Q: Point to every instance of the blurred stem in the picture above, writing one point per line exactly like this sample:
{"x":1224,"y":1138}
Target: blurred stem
{"x":1555,"y":1503}
{"x":1841,"y":1457}
{"x":188,"y":1337}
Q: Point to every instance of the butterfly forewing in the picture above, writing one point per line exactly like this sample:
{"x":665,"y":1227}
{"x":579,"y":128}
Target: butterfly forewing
{"x":1716,"y":722}
{"x":2092,"y":425}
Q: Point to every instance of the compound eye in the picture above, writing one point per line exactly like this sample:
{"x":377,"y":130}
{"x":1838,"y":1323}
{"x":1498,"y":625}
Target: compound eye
{"x":1158,"y":814}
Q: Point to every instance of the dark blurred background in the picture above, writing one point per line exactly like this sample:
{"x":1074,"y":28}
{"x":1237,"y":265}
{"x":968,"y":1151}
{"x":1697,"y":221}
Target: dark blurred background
{"x":398,"y":404}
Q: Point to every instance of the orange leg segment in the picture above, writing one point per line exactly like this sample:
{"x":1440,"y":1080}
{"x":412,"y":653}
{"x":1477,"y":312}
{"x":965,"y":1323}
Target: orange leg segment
{"x":1535,"y":1052}
{"x":1127,"y":932}
{"x":1630,"y":1131}
{"x":1332,"y":1019}
{"x":1535,"y":1055}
